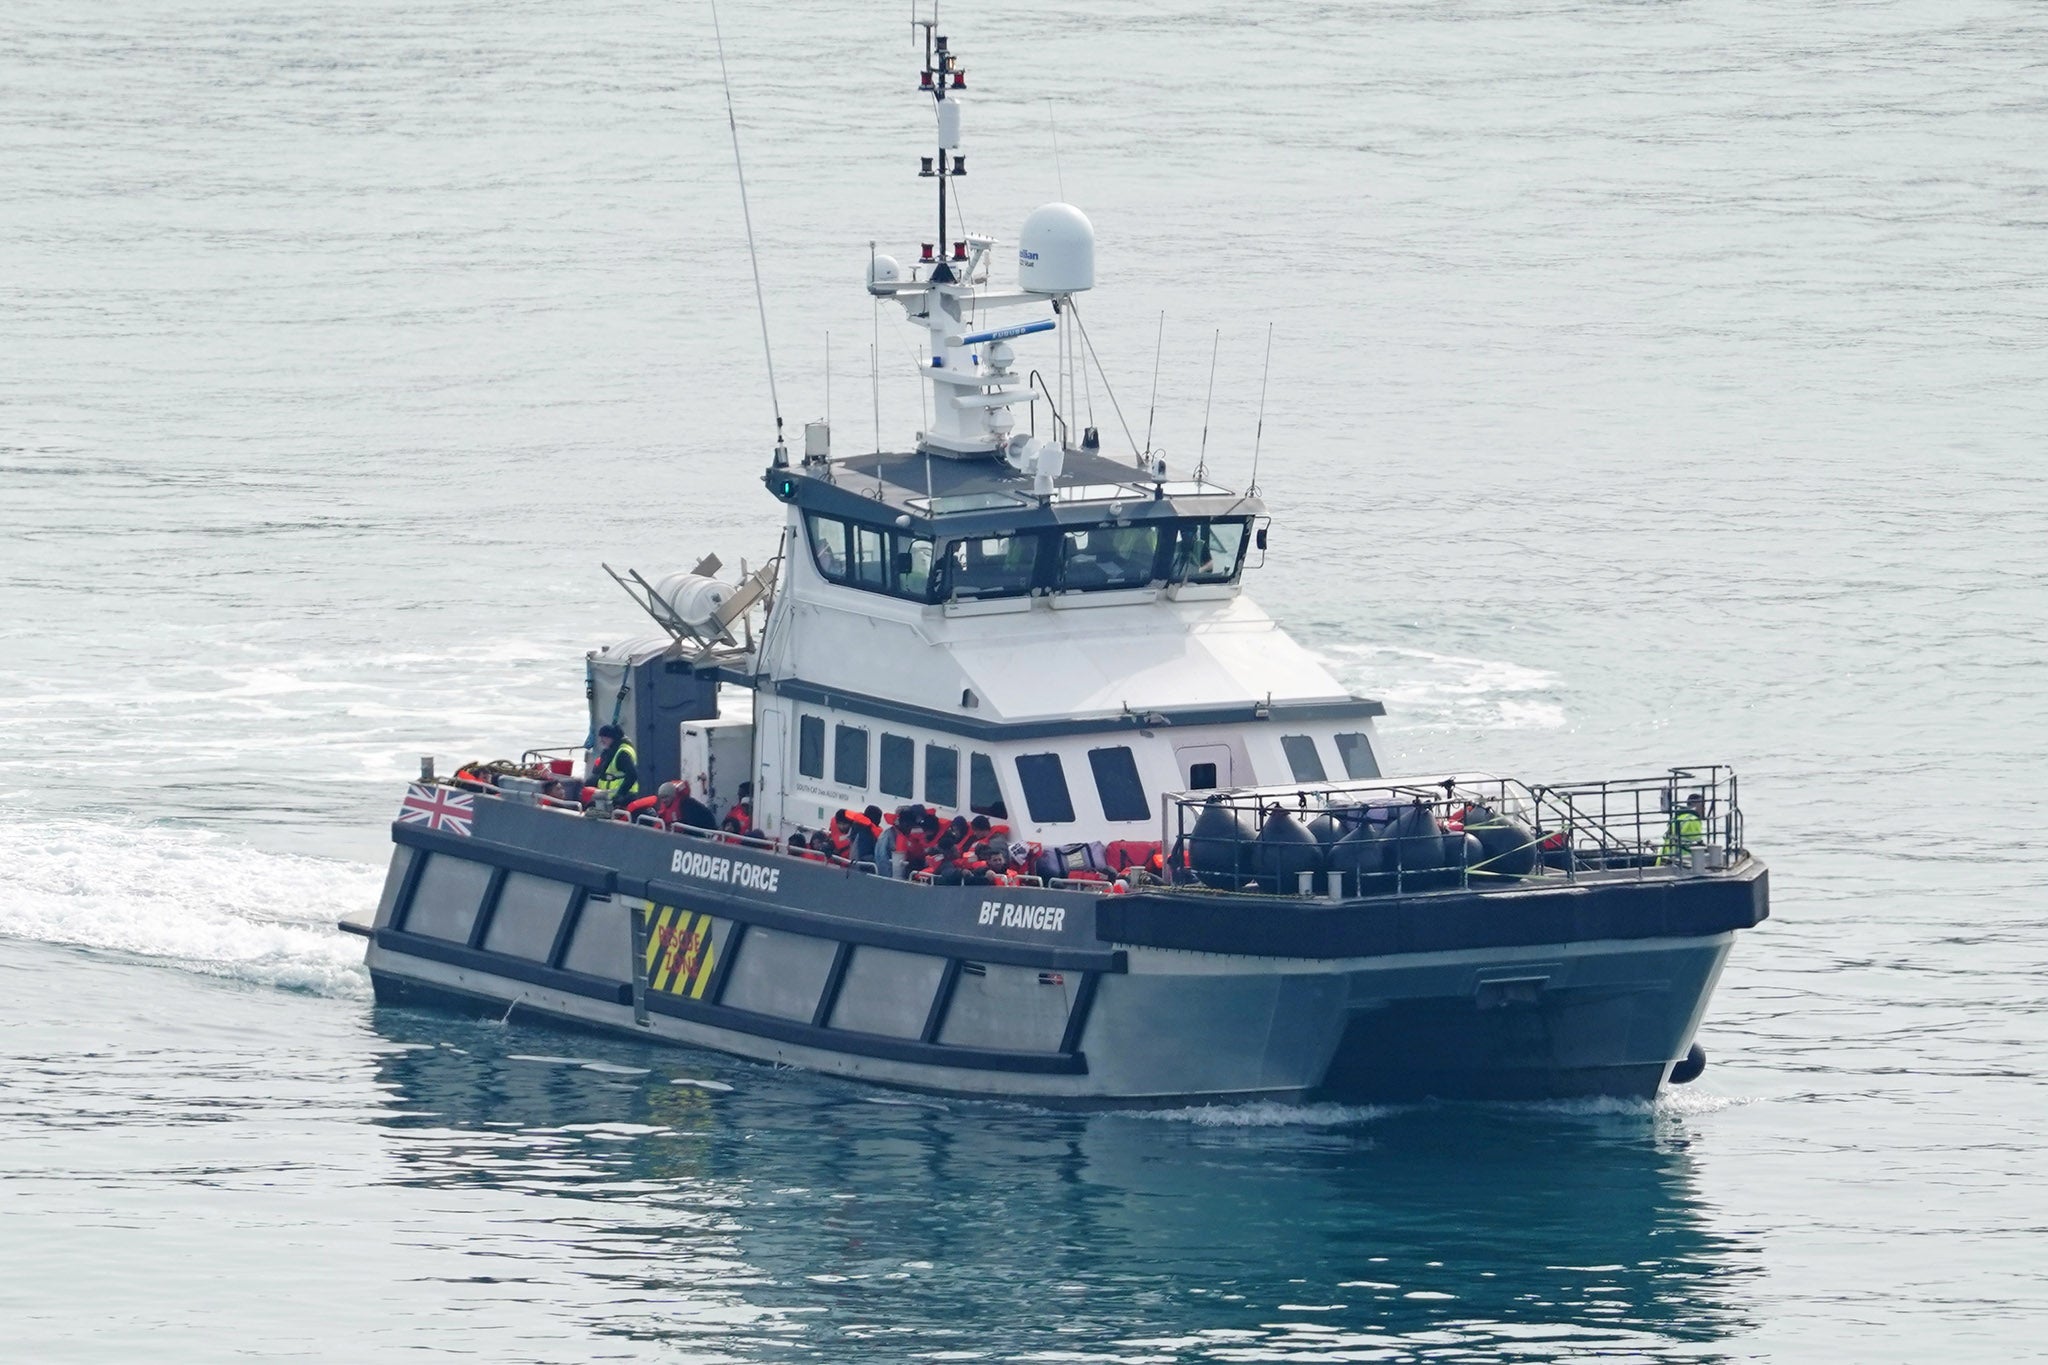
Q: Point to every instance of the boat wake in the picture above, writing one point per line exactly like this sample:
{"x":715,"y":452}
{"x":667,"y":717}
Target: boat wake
{"x":1429,"y":690}
{"x":1268,"y":1114}
{"x":186,"y":898}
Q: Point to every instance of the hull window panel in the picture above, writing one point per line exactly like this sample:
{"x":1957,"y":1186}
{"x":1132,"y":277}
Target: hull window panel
{"x":899,"y":758}
{"x":528,"y":917}
{"x":828,"y":546}
{"x":451,"y":891}
{"x":941,"y":776}
{"x":984,"y":793}
{"x":810,"y":746}
{"x":1116,"y":782}
{"x":1108,"y":557}
{"x":850,"y":756}
{"x":1045,"y":789}
{"x":1356,"y":751}
{"x":1303,"y":758}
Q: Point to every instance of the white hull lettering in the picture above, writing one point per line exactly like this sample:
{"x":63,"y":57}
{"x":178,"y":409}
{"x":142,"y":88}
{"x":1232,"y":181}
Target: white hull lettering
{"x":712,"y":868}
{"x":1047,"y":919}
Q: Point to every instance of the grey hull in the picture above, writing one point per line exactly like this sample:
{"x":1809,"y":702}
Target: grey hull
{"x":1056,"y":997}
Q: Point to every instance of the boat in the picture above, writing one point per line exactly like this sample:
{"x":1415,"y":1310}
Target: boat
{"x":1184,"y":876}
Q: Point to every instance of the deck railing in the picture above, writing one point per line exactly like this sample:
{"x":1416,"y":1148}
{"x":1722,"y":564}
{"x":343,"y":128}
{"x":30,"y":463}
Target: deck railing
{"x":1345,"y":839}
{"x":1250,"y":840}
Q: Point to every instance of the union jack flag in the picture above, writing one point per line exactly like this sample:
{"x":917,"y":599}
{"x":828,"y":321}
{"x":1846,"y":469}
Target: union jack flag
{"x":437,"y":808}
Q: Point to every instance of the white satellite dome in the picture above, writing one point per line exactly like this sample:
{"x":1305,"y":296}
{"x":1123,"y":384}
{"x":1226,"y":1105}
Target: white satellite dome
{"x":1056,"y":251}
{"x":882,"y":272}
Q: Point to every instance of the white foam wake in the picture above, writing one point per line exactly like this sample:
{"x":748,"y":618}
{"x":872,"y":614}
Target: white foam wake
{"x":186,"y":897}
{"x":1429,"y":689}
{"x":1266,"y":1114}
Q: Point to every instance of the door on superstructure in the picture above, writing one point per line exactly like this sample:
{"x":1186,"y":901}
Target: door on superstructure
{"x":768,"y":765}
{"x":1204,"y":767}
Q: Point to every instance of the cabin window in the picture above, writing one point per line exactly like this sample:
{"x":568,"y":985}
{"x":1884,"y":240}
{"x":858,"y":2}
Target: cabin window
{"x":872,"y":558}
{"x":1116,"y":782}
{"x":1103,"y":557}
{"x":911,"y":569}
{"x":984,"y":793}
{"x":850,"y":756}
{"x":1303,"y":758}
{"x":899,"y":754}
{"x":1045,"y":789}
{"x":941,"y":776}
{"x":1201,"y":777}
{"x":810,"y":746}
{"x":1356,"y":751}
{"x":828,"y":546}
{"x":1207,"y":551}
{"x":993,"y":566}
{"x":871,"y":567}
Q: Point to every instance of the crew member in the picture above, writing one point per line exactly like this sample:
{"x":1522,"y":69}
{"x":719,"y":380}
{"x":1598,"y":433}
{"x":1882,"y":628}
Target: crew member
{"x":616,"y":773}
{"x":1687,"y":830}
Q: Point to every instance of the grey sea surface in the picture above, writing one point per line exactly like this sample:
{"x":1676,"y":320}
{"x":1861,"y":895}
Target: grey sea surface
{"x":1651,"y":384}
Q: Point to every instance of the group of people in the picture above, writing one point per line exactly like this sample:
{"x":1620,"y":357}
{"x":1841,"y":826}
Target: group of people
{"x":915,"y":840}
{"x":615,"y":777}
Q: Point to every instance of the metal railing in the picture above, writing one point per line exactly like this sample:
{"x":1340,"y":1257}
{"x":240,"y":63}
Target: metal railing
{"x":1350,"y":839}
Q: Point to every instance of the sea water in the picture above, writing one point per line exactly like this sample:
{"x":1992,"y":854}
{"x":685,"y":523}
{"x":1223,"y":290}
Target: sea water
{"x":1650,"y":385}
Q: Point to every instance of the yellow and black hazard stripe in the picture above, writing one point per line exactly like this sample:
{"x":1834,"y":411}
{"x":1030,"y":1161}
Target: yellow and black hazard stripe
{"x":680,"y":951}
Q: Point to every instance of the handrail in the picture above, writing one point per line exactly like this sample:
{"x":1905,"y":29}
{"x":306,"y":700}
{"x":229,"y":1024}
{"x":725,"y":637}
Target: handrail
{"x":1611,"y":827}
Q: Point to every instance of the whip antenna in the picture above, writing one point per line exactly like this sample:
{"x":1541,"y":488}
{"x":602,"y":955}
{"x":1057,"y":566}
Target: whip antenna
{"x":1259,"y":437}
{"x":1158,"y":345}
{"x":753,"y":256}
{"x":1202,"y":460}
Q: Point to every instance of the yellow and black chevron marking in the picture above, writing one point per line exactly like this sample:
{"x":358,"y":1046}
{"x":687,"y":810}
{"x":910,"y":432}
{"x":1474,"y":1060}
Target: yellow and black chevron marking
{"x":680,"y":953}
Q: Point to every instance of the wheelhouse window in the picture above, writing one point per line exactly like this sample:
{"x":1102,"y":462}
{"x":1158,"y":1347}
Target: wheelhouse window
{"x":1045,"y":789}
{"x":1201,"y":777}
{"x":1116,"y":782}
{"x":872,"y":558}
{"x":1303,"y":758}
{"x":850,"y":756}
{"x":871,"y":567}
{"x":984,"y":793}
{"x":1105,"y":557}
{"x":828,"y":546}
{"x":899,"y":754}
{"x":992,"y":566}
{"x":911,"y":568}
{"x":810,"y":746}
{"x":1207,"y":551}
{"x":941,"y":776}
{"x":1356,"y":751}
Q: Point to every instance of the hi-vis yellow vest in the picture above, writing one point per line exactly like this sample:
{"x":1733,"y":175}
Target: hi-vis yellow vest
{"x":609,"y":778}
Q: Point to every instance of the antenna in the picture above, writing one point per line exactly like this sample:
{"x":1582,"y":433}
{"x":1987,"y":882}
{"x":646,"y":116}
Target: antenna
{"x":1158,"y":344}
{"x":942,"y":73}
{"x":1054,"y":124}
{"x":1202,"y":461}
{"x":828,"y":378}
{"x":875,"y":347}
{"x":1260,"y":436}
{"x":1089,"y":342}
{"x":753,"y":256}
